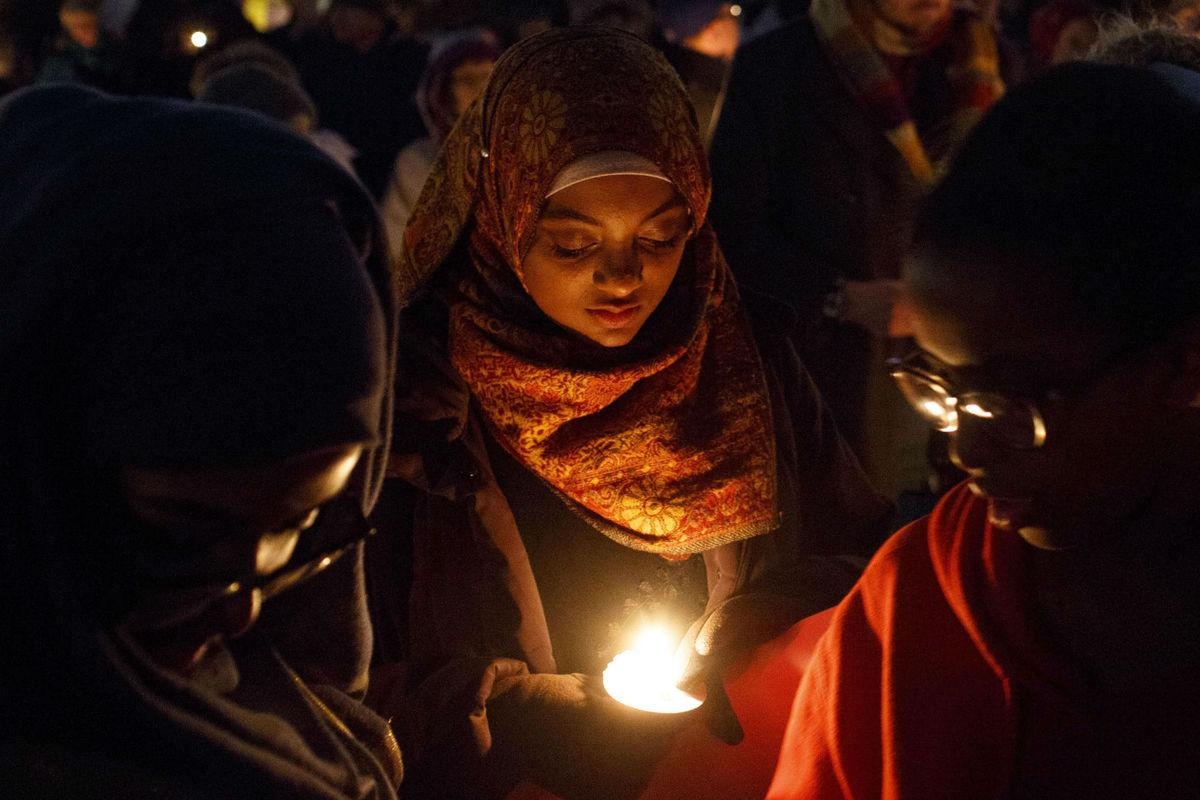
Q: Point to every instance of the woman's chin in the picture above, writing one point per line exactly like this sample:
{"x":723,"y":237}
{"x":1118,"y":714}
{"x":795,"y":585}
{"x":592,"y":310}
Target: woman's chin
{"x":609,"y":337}
{"x":1046,"y":539}
{"x":613,"y":339}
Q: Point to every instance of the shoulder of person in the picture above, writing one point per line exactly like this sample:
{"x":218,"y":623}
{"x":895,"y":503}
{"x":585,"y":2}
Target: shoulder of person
{"x":901,"y":567}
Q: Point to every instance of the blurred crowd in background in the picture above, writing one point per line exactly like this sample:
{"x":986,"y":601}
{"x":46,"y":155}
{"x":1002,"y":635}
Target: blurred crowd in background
{"x":373,"y":51}
{"x":801,"y":215}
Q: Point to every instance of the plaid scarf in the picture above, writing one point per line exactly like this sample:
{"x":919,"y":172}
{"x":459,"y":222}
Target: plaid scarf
{"x":854,"y":36}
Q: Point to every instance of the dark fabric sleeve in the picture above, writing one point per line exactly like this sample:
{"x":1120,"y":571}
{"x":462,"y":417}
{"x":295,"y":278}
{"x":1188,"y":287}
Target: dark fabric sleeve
{"x":832,"y":518}
{"x":473,"y":593}
{"x":751,"y":205}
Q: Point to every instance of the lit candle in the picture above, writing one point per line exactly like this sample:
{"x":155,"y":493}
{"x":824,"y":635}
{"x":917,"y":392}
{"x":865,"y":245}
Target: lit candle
{"x":646,"y":676}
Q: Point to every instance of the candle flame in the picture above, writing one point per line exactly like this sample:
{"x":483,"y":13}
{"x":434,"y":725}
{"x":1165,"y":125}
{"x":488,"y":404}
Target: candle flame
{"x":646,"y":676}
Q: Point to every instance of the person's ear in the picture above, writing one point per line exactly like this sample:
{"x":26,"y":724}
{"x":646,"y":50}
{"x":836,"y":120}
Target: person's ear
{"x":1184,"y":389}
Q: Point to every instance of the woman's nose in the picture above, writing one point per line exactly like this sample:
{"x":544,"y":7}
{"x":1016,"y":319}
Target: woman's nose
{"x":619,"y":272}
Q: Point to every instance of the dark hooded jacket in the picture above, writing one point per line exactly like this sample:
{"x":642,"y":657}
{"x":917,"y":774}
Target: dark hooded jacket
{"x":180,"y":287}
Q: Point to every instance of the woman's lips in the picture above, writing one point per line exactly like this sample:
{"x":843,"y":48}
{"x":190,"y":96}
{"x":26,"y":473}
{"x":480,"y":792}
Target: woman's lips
{"x":614,"y":318}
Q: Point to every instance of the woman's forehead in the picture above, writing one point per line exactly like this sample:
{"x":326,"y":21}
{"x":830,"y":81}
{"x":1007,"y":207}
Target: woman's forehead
{"x":594,"y":200}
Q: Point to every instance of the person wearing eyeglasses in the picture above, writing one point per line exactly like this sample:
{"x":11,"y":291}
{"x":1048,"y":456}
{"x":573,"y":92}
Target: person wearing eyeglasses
{"x":195,"y":329}
{"x":1036,"y":636}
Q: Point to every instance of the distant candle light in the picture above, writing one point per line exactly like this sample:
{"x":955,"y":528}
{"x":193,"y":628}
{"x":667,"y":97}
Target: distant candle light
{"x":199,"y":39}
{"x":646,"y":676}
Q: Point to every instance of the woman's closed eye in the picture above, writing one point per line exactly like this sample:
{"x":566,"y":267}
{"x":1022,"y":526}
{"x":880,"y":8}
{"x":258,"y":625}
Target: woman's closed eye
{"x":658,"y":243}
{"x":572,"y":250}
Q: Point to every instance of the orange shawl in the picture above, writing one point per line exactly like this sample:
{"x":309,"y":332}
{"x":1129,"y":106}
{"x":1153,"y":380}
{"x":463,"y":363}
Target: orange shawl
{"x":665,"y":444}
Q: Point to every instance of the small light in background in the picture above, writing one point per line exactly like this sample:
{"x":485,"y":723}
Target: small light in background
{"x":735,"y":10}
{"x":198,"y":39}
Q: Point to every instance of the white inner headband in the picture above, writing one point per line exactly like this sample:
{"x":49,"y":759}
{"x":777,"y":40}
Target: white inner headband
{"x":599,"y":165}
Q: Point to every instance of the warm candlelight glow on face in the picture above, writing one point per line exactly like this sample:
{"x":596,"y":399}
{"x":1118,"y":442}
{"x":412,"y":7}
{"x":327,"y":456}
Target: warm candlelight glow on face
{"x":646,"y":676}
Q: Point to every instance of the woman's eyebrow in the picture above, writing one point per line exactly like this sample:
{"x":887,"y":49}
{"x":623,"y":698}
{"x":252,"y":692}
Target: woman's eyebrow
{"x":670,"y":205}
{"x":566,"y":213}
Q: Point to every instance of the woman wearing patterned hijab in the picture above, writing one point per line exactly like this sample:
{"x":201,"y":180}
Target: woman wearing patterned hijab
{"x":601,"y":435}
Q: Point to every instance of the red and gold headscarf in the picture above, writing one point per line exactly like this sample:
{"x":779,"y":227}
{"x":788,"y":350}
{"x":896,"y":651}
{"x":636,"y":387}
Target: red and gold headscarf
{"x":665,"y":444}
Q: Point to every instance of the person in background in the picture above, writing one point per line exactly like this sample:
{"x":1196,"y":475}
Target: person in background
{"x":603,"y":431}
{"x":833,"y":128}
{"x":257,"y":88}
{"x":701,"y":38}
{"x":1186,"y":15}
{"x":363,"y":75}
{"x":195,"y":397}
{"x":83,"y":52}
{"x":1035,"y":636}
{"x":456,"y":74}
{"x":165,"y":39}
{"x":245,"y":51}
{"x":1062,"y":30}
{"x":1125,"y":41}
{"x":250,"y":74}
{"x":634,"y":16}
{"x":9,"y":69}
{"x":533,"y":17}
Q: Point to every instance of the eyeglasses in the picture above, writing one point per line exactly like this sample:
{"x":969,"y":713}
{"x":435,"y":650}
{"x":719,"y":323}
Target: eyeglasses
{"x":325,"y":535}
{"x":1015,"y":422}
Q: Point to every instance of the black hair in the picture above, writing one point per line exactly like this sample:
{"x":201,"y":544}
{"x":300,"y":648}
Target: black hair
{"x":253,"y":86}
{"x":243,"y":51}
{"x":1085,"y":180}
{"x":1124,"y":40}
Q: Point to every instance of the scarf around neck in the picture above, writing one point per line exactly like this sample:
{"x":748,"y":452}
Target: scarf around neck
{"x":854,"y":37}
{"x":664,"y":445}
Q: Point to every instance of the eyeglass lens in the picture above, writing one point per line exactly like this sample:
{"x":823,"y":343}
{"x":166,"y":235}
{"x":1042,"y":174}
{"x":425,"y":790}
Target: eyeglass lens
{"x":1014,"y":422}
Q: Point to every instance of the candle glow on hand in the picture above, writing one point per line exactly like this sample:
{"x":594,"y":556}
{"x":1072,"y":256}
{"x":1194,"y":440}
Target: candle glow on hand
{"x":646,"y":676}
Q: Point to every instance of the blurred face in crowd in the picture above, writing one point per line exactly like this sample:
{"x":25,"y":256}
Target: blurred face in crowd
{"x":605,"y":253}
{"x":1074,"y":40}
{"x":1113,"y":414}
{"x":916,"y":17}
{"x":1188,"y":18}
{"x":358,"y":27}
{"x":467,"y":81}
{"x":82,"y":26}
{"x":219,"y":525}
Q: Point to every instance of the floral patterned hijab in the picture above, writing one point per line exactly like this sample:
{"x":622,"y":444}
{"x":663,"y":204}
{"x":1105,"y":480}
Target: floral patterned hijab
{"x":665,"y":444}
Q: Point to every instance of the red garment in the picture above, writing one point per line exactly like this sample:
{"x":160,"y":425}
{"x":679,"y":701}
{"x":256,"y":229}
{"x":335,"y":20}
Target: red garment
{"x":698,"y":766}
{"x":933,"y":681}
